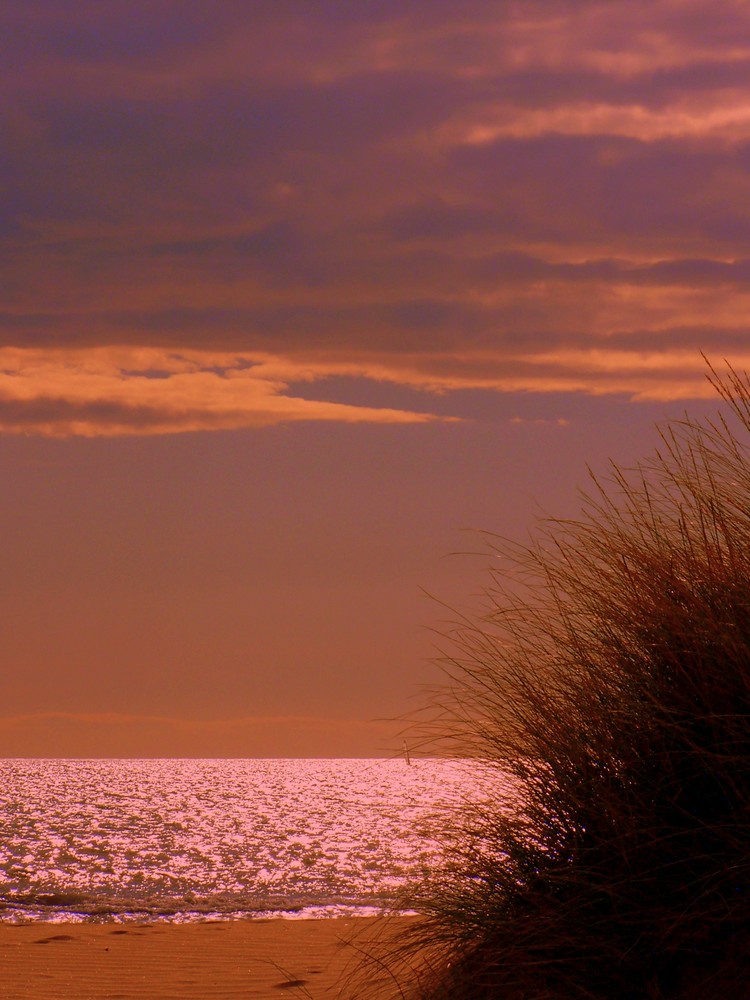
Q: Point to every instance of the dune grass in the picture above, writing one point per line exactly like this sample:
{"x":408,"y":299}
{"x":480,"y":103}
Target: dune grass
{"x":610,"y":679}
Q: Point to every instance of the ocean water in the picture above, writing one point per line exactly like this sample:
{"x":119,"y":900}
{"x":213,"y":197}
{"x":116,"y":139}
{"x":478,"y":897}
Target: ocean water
{"x":184,"y":840}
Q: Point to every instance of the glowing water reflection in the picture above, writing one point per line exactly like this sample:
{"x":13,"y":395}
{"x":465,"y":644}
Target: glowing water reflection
{"x":190,"y":839}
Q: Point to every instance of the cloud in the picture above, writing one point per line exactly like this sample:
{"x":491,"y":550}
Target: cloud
{"x":109,"y":392}
{"x":535,"y":196}
{"x":542,"y":421}
{"x":114,"y":391}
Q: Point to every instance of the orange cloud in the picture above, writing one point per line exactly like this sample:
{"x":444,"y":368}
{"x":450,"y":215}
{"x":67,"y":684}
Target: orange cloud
{"x":115,"y":391}
{"x":109,"y":391}
{"x":721,"y":117}
{"x":657,"y":374}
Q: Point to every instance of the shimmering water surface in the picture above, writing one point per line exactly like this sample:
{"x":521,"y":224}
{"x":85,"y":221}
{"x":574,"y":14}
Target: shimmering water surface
{"x":193,"y":839}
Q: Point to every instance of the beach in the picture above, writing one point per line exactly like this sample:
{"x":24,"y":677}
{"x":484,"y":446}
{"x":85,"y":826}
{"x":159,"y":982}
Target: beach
{"x":212,"y":960}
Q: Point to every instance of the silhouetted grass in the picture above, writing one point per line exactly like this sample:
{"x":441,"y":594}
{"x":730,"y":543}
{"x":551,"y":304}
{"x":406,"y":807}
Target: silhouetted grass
{"x":610,"y":678}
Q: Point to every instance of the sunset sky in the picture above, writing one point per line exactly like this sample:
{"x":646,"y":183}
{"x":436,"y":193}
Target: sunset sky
{"x":295,"y":295}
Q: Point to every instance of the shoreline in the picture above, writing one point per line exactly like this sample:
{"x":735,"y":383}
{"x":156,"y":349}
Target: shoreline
{"x":211,"y":960}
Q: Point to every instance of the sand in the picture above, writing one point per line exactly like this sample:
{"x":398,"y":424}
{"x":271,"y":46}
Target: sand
{"x":247,"y":959}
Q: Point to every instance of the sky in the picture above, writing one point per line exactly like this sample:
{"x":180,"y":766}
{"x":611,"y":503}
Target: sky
{"x":296,"y":300}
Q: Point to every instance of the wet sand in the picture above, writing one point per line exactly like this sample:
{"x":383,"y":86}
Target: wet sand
{"x":232,"y":960}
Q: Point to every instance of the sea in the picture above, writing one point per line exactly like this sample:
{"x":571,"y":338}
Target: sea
{"x":185,"y":840}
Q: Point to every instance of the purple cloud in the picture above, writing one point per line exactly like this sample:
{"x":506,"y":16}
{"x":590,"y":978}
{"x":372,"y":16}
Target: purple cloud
{"x":401,"y":191}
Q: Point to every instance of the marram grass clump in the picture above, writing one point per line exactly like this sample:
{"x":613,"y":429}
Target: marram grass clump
{"x":610,"y":679}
